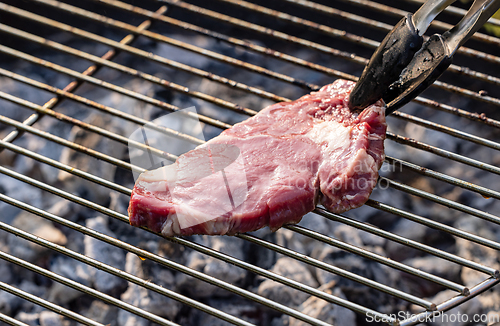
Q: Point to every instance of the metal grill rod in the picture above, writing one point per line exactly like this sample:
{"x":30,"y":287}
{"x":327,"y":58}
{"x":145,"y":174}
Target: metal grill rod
{"x":67,"y":143}
{"x":425,"y":101}
{"x":13,"y":122}
{"x":180,"y":267}
{"x":171,"y":157}
{"x":478,"y":117}
{"x":391,"y":136}
{"x":317,"y":46}
{"x":286,"y":37}
{"x":145,"y":254}
{"x":386,"y":261}
{"x":126,"y":191}
{"x":244,"y":293}
{"x":267,"y":31}
{"x":273,"y":53}
{"x":472,"y":116}
{"x":140,"y":53}
{"x":102,"y":209}
{"x":85,"y":289}
{"x":230,"y":40}
{"x":343,"y":246}
{"x":483,"y":191}
{"x":95,"y":105}
{"x":65,"y":167}
{"x":64,"y":142}
{"x":47,"y":304}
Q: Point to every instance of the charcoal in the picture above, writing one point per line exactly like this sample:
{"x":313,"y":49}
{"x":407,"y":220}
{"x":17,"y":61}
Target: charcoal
{"x":370,"y":239}
{"x":325,"y":311}
{"x":234,"y":307}
{"x":213,"y":267}
{"x":284,"y":294}
{"x":108,"y":254}
{"x":355,"y":291}
{"x":102,"y":313}
{"x":301,"y":243}
{"x":493,"y":317}
{"x":437,"y":266}
{"x":74,"y":184}
{"x":348,"y":235}
{"x":134,"y":294}
{"x":37,"y":226}
{"x":409,"y":230}
{"x":292,"y":240}
{"x":475,"y":252}
{"x":34,"y":289}
{"x":9,"y":303}
{"x":126,"y":318}
{"x":259,"y":255}
{"x":49,"y":318}
{"x":143,"y":298}
{"x":31,"y":319}
{"x":65,"y":209}
{"x":20,"y":191}
{"x":72,"y":269}
{"x":487,"y":303}
{"x":6,"y":274}
{"x":454,"y":316}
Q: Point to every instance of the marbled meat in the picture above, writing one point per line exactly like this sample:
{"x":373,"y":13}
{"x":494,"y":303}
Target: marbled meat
{"x":269,"y":170}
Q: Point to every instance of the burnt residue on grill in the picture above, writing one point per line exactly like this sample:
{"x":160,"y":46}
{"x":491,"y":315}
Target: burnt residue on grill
{"x":427,"y":239}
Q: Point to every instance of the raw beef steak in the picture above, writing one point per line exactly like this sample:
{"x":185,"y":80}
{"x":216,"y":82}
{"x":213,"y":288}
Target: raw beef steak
{"x":269,"y":170}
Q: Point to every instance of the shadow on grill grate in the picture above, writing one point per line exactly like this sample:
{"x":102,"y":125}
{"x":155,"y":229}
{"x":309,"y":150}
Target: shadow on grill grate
{"x":78,"y":77}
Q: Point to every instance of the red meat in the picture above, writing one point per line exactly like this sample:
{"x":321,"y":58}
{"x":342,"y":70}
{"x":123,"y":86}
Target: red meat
{"x":269,"y":170}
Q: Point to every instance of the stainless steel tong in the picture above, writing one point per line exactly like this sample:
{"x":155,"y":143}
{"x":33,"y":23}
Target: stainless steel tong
{"x":403,"y":65}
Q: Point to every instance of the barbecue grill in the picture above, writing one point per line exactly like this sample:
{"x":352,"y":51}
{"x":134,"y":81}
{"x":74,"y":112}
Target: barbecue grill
{"x":230,"y":58}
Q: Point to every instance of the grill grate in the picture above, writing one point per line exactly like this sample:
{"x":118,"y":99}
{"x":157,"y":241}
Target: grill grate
{"x":103,"y":15}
